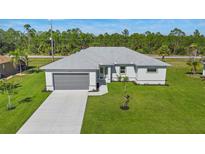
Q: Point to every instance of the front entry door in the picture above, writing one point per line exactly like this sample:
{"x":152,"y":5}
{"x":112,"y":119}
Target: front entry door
{"x":103,"y":72}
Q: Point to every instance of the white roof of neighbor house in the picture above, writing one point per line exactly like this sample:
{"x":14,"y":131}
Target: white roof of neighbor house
{"x":92,"y":57}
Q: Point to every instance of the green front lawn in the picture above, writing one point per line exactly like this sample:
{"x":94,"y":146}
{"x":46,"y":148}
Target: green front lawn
{"x":176,"y":108}
{"x":28,"y":98}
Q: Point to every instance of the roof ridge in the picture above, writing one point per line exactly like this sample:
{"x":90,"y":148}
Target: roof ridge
{"x":92,"y":57}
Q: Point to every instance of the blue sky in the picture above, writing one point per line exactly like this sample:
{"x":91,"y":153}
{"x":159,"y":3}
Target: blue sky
{"x":98,"y":26}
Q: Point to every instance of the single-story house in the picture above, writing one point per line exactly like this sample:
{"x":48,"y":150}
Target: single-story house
{"x":7,"y":67}
{"x":93,"y":66}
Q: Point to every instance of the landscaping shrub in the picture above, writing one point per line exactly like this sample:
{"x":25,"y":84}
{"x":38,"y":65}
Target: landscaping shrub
{"x":119,"y":78}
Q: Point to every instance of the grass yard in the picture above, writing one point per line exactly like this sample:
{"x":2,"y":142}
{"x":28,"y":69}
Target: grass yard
{"x":176,"y":108}
{"x":37,"y":62}
{"x":28,"y":98}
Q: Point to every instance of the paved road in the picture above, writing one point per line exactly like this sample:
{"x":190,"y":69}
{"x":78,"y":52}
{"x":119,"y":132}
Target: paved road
{"x":35,"y":56}
{"x":174,"y":57}
{"x":155,"y":56}
{"x":61,"y":113}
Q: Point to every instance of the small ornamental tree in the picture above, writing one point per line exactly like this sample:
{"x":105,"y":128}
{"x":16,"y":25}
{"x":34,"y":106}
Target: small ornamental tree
{"x":7,"y":88}
{"x":119,"y":78}
{"x":126,"y":97}
{"x":164,"y":51}
{"x":125,"y":79}
{"x":125,"y":106}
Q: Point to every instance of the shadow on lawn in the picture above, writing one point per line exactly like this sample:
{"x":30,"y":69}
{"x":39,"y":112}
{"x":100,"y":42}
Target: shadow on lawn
{"x":197,"y":75}
{"x":16,"y":85}
{"x":26,"y":100}
{"x":191,"y":73}
{"x":151,"y":85}
{"x":32,"y":69}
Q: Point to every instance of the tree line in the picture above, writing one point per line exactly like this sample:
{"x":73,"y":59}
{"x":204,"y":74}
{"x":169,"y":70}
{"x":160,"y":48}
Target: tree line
{"x":66,"y":42}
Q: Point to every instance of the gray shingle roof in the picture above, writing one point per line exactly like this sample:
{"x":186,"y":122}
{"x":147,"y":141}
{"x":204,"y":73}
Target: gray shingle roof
{"x":91,"y":57}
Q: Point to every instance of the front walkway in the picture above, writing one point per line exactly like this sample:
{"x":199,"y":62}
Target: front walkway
{"x":61,"y":113}
{"x":102,"y":91}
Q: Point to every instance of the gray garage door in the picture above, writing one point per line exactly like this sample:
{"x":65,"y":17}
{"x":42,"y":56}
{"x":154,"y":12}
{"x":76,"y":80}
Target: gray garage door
{"x":77,"y":81}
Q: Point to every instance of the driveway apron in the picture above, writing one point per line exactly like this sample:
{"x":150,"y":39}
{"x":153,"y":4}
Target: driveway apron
{"x":61,"y":113}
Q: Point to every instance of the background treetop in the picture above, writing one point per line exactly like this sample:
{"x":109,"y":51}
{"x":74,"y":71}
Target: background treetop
{"x":72,"y":40}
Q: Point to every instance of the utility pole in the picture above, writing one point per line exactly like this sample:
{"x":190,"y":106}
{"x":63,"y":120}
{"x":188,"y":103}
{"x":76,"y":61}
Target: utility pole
{"x":52,"y":52}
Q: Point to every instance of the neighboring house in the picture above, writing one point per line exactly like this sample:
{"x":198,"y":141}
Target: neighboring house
{"x":91,"y":67}
{"x":7,"y":67}
{"x":204,"y":69}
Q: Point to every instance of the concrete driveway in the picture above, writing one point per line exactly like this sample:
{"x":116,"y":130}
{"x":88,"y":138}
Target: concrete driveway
{"x":61,"y":113}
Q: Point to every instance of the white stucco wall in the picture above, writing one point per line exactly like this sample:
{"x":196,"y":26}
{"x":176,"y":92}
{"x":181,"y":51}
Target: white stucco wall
{"x":204,"y":70}
{"x":108,"y":76}
{"x":144,"y":77}
{"x":92,"y":84}
{"x":115,"y":72}
{"x":129,"y":72}
{"x":49,"y":80}
{"x":139,"y":75}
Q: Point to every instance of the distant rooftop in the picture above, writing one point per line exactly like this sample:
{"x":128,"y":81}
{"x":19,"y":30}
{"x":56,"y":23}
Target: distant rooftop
{"x":92,"y":57}
{"x":4,"y":59}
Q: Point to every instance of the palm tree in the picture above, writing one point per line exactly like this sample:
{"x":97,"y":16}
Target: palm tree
{"x":25,"y":57}
{"x":125,"y":32}
{"x":17,"y":57}
{"x":27,"y":27}
{"x":193,"y":50}
{"x":176,"y":36}
{"x":194,"y":65}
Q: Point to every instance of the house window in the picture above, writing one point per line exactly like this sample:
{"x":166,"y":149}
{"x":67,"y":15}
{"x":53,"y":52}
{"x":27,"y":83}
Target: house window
{"x":106,"y":71}
{"x":122,"y":69}
{"x":151,"y":70}
{"x":101,"y":70}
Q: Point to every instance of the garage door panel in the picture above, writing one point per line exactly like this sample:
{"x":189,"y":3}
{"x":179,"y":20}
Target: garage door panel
{"x":71,"y":81}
